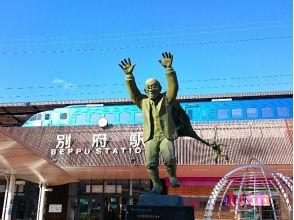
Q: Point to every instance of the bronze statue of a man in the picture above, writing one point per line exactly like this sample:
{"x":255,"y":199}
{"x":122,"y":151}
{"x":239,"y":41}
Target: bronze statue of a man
{"x":164,"y":120}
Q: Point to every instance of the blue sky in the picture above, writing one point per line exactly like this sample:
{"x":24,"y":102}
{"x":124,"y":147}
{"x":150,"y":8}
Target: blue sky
{"x":70,"y":50}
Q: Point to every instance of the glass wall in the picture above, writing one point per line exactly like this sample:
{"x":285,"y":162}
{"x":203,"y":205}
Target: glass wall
{"x":103,"y":199}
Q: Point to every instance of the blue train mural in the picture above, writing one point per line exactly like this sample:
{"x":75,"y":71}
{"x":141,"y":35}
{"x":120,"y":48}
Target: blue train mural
{"x":258,"y":108}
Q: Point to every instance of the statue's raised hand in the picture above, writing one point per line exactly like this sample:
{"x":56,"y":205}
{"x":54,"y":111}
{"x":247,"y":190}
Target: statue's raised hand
{"x":216,"y":147}
{"x":127,"y":66}
{"x":167,"y":60}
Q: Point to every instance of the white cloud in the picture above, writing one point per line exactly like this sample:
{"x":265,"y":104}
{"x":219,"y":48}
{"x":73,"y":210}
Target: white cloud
{"x":58,"y":81}
{"x":63,"y":83}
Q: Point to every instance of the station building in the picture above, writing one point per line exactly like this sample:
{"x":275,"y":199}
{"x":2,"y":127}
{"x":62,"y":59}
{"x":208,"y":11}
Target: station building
{"x":88,"y":172}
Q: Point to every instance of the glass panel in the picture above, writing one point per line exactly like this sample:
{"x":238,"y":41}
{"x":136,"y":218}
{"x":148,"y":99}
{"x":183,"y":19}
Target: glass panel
{"x":96,"y":210}
{"x":136,"y":187}
{"x":222,"y":113}
{"x":94,"y":118}
{"x":145,"y":186}
{"x":124,"y":117}
{"x":138,"y":117}
{"x":190,"y":113}
{"x":83,"y":207}
{"x":84,"y":186}
{"x":63,"y":116}
{"x":125,"y":187}
{"x":34,"y":118}
{"x":266,"y":112}
{"x":251,"y":112}
{"x":282,"y":111}
{"x":39,"y":116}
{"x":110,"y":186}
{"x":110,"y":118}
{"x":236,"y":113}
{"x":81,"y":119}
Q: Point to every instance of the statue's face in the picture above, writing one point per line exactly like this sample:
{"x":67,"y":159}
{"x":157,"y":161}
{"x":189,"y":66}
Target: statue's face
{"x":152,"y":88}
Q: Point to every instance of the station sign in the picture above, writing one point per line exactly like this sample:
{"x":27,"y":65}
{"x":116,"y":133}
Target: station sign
{"x":99,"y":144}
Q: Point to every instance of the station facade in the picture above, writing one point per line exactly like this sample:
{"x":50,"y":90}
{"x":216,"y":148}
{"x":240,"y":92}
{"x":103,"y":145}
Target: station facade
{"x":89,"y":172}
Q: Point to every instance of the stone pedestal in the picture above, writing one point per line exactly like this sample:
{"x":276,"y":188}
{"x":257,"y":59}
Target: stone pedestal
{"x":162,"y":207}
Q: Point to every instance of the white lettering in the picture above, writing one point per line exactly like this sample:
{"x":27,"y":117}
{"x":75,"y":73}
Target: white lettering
{"x":106,"y":150}
{"x":53,"y":152}
{"x":136,"y":139}
{"x":78,"y":150}
{"x":69,"y":151}
{"x":99,"y":140}
{"x":138,"y":150}
{"x":87,"y":150}
{"x":98,"y":150}
{"x":115,"y":151}
{"x":123,"y":150}
{"x":64,"y":141}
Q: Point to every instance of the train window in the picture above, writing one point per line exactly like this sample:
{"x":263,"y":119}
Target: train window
{"x":267,"y":112}
{"x":110,"y":118}
{"x":35,"y":117}
{"x":94,"y":118}
{"x":222,"y":113}
{"x":282,"y":111}
{"x":138,"y":117}
{"x":190,"y":114}
{"x":251,"y":112}
{"x":236,"y":113}
{"x":81,"y":119}
{"x":47,"y":116}
{"x":63,"y":116}
{"x":124,"y":117}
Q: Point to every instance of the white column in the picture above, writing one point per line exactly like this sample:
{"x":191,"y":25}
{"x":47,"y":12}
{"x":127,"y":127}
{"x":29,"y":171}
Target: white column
{"x":5,"y":198}
{"x":131,"y":193}
{"x":41,"y":202}
{"x":10,"y":197}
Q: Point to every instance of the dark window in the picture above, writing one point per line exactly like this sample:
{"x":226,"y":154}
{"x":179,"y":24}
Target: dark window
{"x":251,"y":112}
{"x":222,"y":113}
{"x":47,"y":116}
{"x":267,"y":112}
{"x":202,"y":205}
{"x":136,"y":187}
{"x":237,"y":113}
{"x":138,"y":117}
{"x":124,"y":117}
{"x":282,"y":111}
{"x":145,"y":185}
{"x":63,"y":116}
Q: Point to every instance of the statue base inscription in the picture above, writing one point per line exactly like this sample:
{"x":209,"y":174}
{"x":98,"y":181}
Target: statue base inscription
{"x":160,"y":207}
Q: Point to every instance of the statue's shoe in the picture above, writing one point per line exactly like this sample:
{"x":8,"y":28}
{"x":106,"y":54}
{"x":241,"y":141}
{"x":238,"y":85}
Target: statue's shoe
{"x":174,"y":183}
{"x":154,"y":191}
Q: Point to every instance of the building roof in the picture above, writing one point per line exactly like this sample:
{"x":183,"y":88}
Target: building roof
{"x":27,"y":152}
{"x":15,"y":114}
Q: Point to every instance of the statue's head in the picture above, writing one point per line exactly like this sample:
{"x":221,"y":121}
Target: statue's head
{"x":152,"y":88}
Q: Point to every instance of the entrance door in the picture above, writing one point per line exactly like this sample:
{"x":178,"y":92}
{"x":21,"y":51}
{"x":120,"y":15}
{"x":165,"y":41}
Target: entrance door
{"x":112,"y":208}
{"x":90,"y":208}
{"x":96,"y":211}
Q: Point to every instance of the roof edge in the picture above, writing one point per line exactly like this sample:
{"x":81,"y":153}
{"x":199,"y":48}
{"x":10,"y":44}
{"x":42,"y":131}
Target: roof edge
{"x":127,"y":100}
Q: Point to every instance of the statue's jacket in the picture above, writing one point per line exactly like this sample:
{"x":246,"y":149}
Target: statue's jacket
{"x":173,"y":119}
